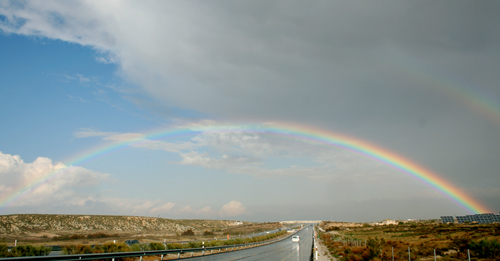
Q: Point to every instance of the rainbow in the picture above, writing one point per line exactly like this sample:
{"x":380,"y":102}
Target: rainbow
{"x":293,"y":131}
{"x":477,"y":98}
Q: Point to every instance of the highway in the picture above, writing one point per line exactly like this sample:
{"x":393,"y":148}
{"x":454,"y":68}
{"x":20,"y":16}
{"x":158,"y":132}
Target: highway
{"x":280,"y":251}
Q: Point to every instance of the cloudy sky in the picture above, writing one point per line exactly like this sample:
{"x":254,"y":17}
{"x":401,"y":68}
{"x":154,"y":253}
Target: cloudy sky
{"x":80,"y":80}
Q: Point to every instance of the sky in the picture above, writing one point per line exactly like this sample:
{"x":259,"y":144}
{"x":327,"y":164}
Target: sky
{"x":249,"y":110}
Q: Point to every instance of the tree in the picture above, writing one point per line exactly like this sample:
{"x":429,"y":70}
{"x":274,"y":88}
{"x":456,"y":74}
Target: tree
{"x":188,"y":232}
{"x":374,"y":248}
{"x":461,"y":243}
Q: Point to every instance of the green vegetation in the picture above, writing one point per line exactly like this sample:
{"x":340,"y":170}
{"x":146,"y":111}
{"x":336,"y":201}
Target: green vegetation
{"x":156,"y":246}
{"x":24,"y":250}
{"x":486,"y":249}
{"x":208,"y":233}
{"x":188,"y":232}
{"x":80,"y":236}
{"x":109,"y":247}
{"x":450,"y":241}
{"x":122,"y":247}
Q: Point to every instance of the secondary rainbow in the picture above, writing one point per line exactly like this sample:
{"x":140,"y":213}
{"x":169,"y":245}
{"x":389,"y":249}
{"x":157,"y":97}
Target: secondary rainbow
{"x":481,"y":100}
{"x":294,"y":131}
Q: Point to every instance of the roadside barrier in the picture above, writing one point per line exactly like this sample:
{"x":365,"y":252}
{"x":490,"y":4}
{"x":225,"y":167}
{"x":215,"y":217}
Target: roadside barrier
{"x":189,"y":251}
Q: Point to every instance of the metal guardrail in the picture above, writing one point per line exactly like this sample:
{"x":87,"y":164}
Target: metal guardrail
{"x":59,"y":247}
{"x":219,"y":249}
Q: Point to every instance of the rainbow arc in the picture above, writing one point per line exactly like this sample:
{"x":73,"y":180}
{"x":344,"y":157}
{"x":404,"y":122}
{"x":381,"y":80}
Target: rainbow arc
{"x":293,"y":131}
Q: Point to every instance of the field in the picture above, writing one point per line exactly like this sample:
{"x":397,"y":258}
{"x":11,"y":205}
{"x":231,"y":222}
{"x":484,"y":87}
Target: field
{"x":450,"y":241}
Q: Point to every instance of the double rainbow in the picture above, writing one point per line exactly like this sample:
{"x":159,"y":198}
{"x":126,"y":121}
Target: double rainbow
{"x":294,"y":131}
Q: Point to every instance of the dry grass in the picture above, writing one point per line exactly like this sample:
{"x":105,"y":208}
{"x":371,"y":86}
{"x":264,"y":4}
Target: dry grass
{"x":421,"y":237}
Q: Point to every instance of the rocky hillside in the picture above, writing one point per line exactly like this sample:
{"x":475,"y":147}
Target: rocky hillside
{"x":29,"y":223}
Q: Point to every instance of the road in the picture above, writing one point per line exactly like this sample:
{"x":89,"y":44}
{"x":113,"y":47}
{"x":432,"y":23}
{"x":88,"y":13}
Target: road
{"x":280,"y":251}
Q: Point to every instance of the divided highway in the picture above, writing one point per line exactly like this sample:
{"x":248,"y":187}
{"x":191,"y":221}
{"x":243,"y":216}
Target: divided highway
{"x":280,"y":251}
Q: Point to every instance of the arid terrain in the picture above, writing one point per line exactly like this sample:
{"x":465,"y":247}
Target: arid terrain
{"x":39,"y":229}
{"x":358,"y":241}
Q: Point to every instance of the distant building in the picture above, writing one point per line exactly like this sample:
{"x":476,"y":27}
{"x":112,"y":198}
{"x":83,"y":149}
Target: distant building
{"x":385,"y":222}
{"x":389,"y":222}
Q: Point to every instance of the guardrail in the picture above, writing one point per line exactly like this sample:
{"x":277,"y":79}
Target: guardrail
{"x":60,"y":247}
{"x":162,"y":253}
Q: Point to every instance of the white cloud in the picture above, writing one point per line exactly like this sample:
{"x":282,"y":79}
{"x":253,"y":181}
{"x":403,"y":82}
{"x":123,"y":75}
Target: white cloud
{"x":136,"y":140}
{"x":245,"y":142}
{"x":245,"y":152}
{"x":83,"y":79}
{"x":124,"y":137}
{"x":188,"y":210}
{"x":106,"y":59}
{"x":54,"y":183}
{"x":163,"y":208}
{"x":86,"y":133}
{"x":80,"y":99}
{"x":233,"y":208}
{"x":225,"y":162}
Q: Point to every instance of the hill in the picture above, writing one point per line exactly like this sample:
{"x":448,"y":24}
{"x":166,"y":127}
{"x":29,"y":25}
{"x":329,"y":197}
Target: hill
{"x":36,"y":223}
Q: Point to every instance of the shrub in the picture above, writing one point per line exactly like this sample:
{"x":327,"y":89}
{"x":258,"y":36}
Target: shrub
{"x":101,"y":235}
{"x":29,"y":250}
{"x":83,"y":249}
{"x":4,"y":250}
{"x":358,"y":250}
{"x":208,"y":233}
{"x":87,"y":249}
{"x":228,"y":242}
{"x":188,"y":232}
{"x":214,"y":243}
{"x":175,"y":246}
{"x":461,"y":243}
{"x":97,"y":249}
{"x":373,"y":246}
{"x":135,"y":247}
{"x":194,"y":244}
{"x":68,"y":249}
{"x":156,"y":246}
{"x":486,"y":249}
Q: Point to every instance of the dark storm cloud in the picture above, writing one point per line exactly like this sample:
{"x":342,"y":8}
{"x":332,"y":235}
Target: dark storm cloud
{"x":388,"y":72}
